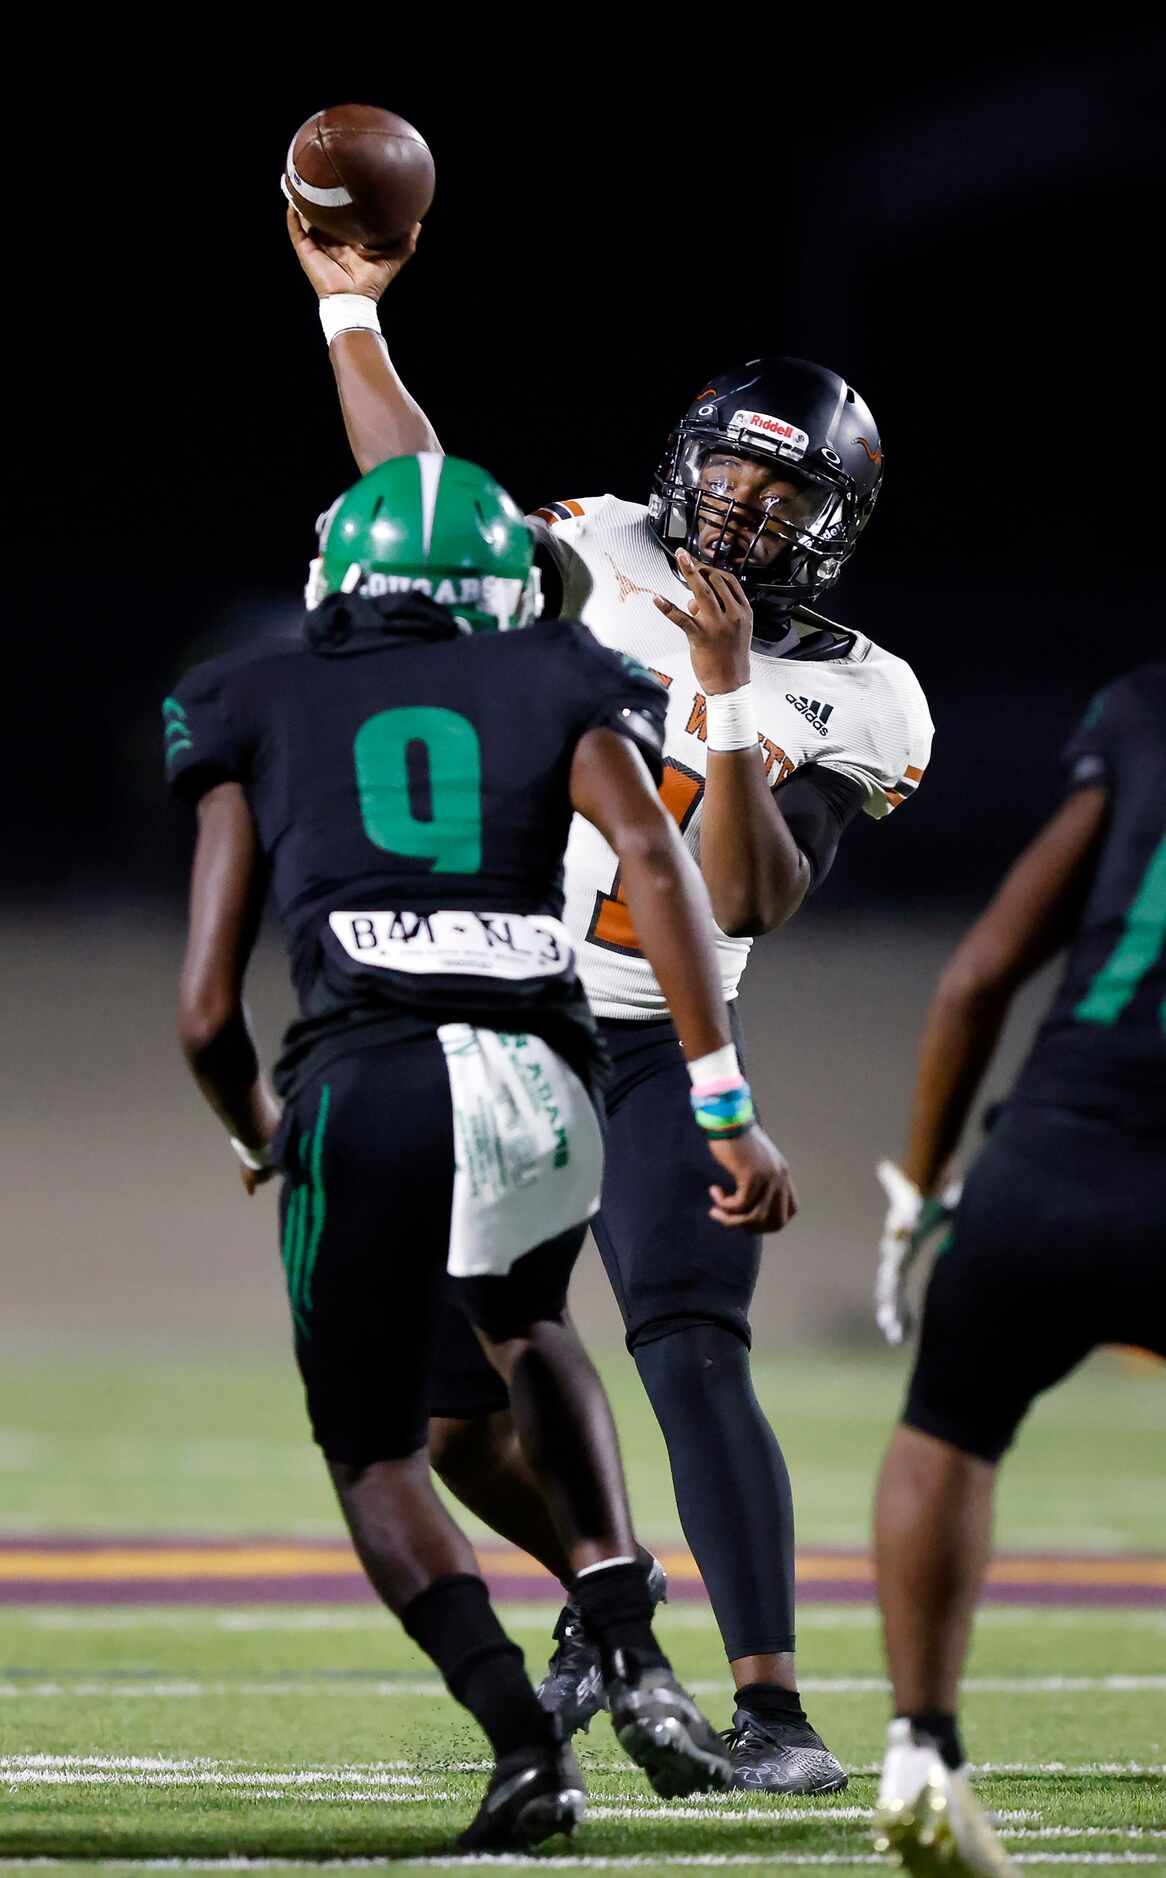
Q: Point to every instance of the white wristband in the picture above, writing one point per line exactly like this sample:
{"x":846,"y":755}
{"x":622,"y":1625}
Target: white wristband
{"x":718,"y":1066}
{"x":348,"y":313}
{"x":254,"y":1159}
{"x":731,"y":721}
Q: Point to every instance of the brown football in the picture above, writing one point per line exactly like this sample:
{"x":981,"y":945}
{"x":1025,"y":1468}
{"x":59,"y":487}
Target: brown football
{"x":359,"y":174}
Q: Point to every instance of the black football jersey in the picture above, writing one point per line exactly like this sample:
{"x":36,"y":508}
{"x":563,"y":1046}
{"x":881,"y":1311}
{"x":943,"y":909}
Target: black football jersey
{"x":410,"y":785}
{"x":1102,"y":1047}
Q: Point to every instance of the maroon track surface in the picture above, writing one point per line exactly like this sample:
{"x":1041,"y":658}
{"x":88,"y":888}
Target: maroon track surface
{"x":176,"y":1570}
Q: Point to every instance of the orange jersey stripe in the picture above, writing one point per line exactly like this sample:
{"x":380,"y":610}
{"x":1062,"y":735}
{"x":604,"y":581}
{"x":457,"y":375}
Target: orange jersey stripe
{"x":576,"y":508}
{"x":912,"y":774}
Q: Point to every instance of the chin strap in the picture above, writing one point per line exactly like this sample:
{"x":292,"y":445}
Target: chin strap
{"x":779,"y":643}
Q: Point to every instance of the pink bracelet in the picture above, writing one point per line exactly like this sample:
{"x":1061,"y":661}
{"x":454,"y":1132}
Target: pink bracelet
{"x":720,"y":1087}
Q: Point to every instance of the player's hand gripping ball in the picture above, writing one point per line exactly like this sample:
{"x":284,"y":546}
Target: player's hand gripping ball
{"x":359,"y":175}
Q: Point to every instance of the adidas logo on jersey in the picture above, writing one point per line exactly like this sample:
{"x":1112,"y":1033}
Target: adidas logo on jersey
{"x":815,"y":714}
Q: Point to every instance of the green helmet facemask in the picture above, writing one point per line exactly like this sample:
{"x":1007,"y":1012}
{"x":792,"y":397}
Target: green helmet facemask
{"x":433,"y":525}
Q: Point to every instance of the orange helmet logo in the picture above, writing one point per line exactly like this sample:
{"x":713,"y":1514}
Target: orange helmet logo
{"x":876,"y":456}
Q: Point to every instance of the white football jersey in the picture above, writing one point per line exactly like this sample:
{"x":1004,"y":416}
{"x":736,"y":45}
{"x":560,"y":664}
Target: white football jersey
{"x":862,"y":713}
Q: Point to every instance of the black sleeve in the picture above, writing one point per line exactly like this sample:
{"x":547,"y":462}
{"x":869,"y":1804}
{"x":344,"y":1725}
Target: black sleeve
{"x":1088,"y":756}
{"x":552,"y":583}
{"x":818,"y":805}
{"x":202,"y":743}
{"x":617,"y":693}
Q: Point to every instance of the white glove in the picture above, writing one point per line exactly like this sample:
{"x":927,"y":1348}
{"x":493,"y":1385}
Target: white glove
{"x":910,"y":1222}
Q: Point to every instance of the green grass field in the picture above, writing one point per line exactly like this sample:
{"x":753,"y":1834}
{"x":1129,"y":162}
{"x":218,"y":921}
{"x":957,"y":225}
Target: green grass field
{"x":289,"y":1734}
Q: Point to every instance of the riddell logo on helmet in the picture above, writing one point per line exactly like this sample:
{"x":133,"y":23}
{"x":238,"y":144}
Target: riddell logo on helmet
{"x":772,"y":433}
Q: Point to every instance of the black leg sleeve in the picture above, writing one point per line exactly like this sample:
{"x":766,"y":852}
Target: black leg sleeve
{"x":731,"y":1482}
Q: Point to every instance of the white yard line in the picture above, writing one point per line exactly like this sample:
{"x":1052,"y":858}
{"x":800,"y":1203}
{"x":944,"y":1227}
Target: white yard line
{"x":398,"y":1773}
{"x":1082,"y":1832}
{"x":766,"y":1815}
{"x":974,"y":1685}
{"x":154,"y":1769}
{"x":382,"y":1784}
{"x":241,"y":1863}
{"x":353,"y":1772}
{"x":287,"y":1785}
{"x":520,"y":1861}
{"x":95,"y":1769}
{"x":1054,"y":1767}
{"x":191,"y":1687}
{"x":1073,"y":1768}
{"x":154,"y":1763}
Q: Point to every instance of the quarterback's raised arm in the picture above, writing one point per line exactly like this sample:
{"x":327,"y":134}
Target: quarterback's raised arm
{"x":381,"y":418}
{"x":610,"y":785}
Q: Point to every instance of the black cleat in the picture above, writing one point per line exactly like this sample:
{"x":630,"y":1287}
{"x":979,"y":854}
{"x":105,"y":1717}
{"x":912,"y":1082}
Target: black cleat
{"x":781,"y":1757}
{"x":532,"y":1794}
{"x":572,"y":1688}
{"x":663,"y":1731}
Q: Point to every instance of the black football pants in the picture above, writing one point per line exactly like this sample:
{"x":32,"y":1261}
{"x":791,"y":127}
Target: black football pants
{"x":367,"y":1152}
{"x":684,"y":1287}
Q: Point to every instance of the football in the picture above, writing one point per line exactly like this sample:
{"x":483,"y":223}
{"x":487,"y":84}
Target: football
{"x":359,"y":174}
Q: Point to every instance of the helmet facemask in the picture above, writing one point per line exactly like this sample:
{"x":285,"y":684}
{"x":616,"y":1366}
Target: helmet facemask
{"x":505,"y":605}
{"x":783,"y":531}
{"x":316,"y":588}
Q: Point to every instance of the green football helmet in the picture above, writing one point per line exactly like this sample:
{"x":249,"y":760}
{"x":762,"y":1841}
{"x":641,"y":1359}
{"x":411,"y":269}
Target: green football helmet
{"x":437,"y":526}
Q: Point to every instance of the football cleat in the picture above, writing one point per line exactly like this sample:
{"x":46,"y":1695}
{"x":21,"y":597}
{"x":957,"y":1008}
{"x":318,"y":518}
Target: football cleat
{"x":929,"y":1820}
{"x":532,"y":1794}
{"x":661,"y":1729}
{"x":781,"y":1757}
{"x":572,"y":1688}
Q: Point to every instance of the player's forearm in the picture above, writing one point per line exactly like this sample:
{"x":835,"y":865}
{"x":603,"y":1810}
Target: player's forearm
{"x":671,"y":912}
{"x":380,"y":416}
{"x":669,"y":904}
{"x":755,"y":873}
{"x":223,"y":1061}
{"x":1031,"y":916}
{"x":960,"y":1034}
{"x":226,"y":898}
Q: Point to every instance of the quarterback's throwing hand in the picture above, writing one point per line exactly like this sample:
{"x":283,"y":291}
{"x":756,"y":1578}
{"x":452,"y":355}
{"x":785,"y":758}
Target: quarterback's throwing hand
{"x":718,"y":624}
{"x":762,"y":1197}
{"x":333,"y":267}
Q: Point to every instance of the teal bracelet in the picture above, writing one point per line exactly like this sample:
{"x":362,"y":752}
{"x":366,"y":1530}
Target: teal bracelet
{"x":727,"y":1113}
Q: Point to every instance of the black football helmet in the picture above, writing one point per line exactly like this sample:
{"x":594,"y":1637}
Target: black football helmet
{"x":786,"y":535}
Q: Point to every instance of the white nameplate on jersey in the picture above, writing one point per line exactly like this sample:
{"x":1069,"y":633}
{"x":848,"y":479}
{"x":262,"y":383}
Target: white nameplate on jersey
{"x":511,"y":946}
{"x":527,"y":1148}
{"x":771,"y":433}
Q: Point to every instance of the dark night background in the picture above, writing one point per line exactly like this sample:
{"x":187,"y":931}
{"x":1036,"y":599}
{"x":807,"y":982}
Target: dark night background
{"x":971,"y":237}
{"x":969,"y":230}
